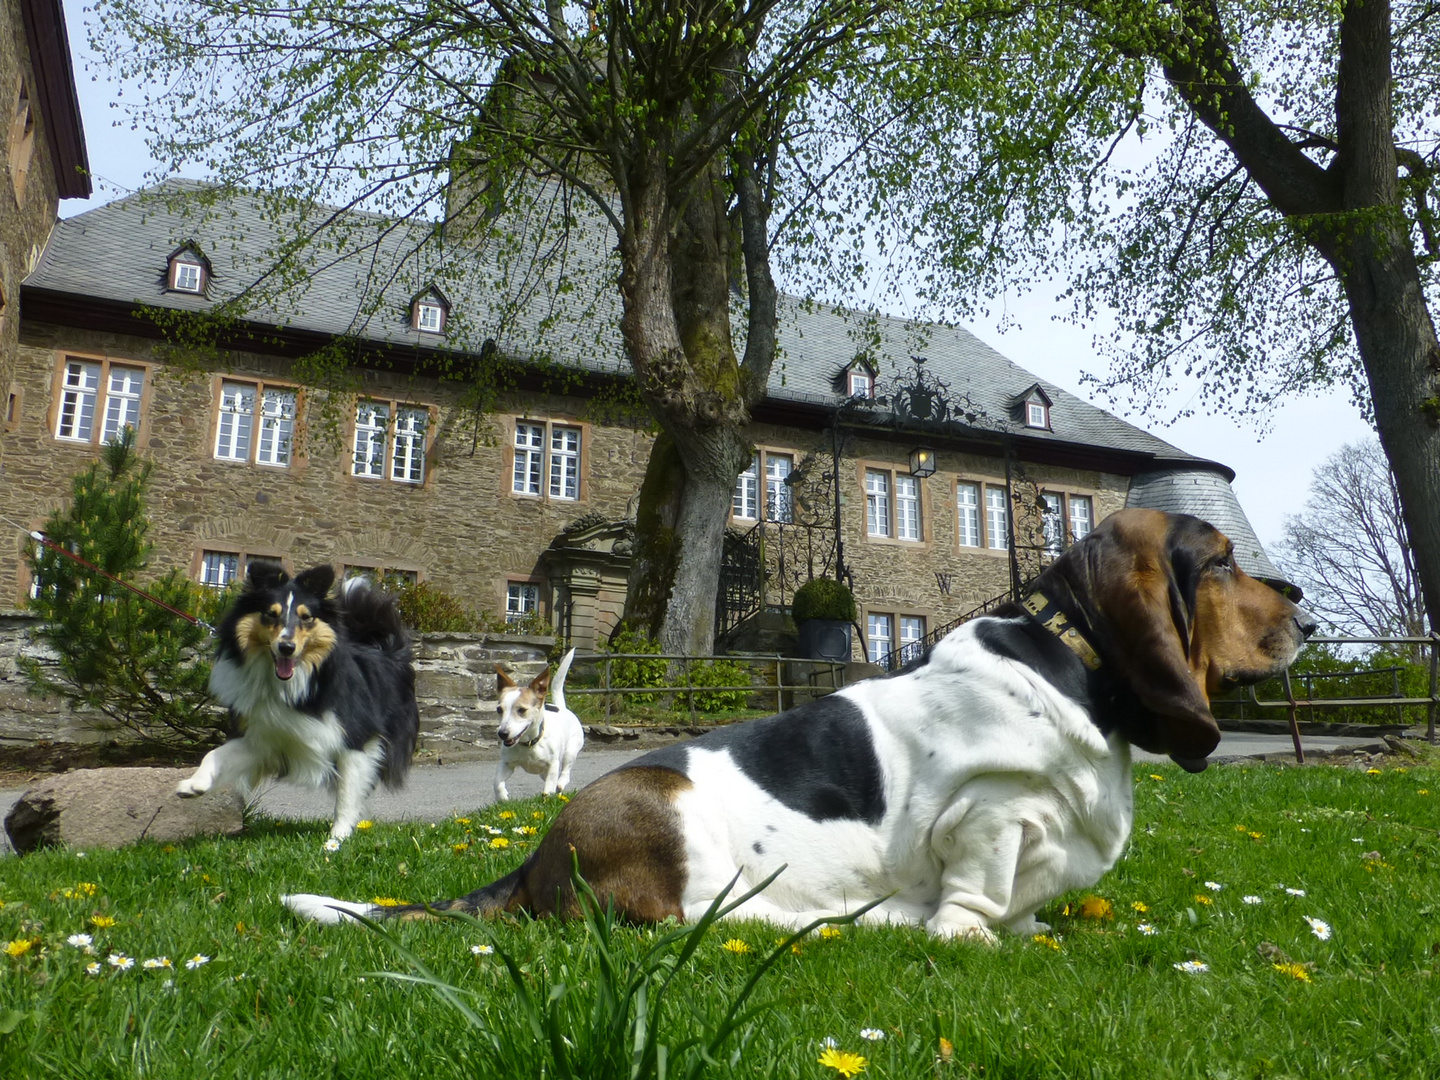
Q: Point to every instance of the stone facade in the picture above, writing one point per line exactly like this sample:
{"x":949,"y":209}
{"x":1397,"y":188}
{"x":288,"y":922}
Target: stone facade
{"x":31,"y":186}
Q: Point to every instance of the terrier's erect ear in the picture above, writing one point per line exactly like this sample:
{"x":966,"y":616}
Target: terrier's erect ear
{"x":503,"y":681}
{"x":541,"y":683}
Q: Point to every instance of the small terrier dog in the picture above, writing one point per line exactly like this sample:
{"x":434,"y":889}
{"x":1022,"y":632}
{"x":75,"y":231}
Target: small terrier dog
{"x":539,"y":737}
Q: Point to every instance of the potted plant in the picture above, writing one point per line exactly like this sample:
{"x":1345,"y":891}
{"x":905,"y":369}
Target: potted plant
{"x":824,"y":611}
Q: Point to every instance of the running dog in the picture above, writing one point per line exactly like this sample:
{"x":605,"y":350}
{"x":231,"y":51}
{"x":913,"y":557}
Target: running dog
{"x":540,"y":737}
{"x":963,"y":793}
{"x":321,"y":685}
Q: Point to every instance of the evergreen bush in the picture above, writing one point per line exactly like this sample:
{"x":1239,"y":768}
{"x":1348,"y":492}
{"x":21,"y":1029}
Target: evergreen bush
{"x":123,"y":656}
{"x":823,"y":598}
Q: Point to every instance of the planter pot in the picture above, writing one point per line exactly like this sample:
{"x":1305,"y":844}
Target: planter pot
{"x":825,"y":639}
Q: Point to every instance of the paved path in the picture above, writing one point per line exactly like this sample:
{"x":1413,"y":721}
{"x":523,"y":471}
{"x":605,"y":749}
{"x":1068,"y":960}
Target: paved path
{"x":436,"y":791}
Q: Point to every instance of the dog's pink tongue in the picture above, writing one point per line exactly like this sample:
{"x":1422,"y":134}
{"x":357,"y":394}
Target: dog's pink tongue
{"x":284,"y":666}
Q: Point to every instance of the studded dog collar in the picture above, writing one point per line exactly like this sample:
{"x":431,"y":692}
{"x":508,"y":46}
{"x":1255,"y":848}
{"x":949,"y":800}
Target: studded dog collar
{"x":1056,"y":621}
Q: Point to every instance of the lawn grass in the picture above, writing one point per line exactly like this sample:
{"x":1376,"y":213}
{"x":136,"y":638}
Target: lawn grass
{"x":1094,"y":998}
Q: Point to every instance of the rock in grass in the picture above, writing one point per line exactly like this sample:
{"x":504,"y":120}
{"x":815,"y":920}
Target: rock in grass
{"x":109,"y":808}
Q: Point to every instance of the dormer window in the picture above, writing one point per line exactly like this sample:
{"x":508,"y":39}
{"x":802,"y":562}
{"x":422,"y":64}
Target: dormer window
{"x":859,"y":380}
{"x":429,"y":312}
{"x":189,"y":271}
{"x":1036,"y":406}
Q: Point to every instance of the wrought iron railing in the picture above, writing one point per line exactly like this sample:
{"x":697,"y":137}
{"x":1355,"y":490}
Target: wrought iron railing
{"x":763,"y":566}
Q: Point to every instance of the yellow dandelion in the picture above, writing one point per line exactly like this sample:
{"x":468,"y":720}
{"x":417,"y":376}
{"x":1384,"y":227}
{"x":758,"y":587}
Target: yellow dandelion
{"x":366,"y":824}
{"x":1242,"y":828}
{"x":562,"y":796}
{"x":1423,"y":791}
{"x":168,"y":849}
{"x":387,"y":901}
{"x":1140,"y":906}
{"x":1156,"y":776}
{"x":1295,"y":971}
{"x":458,"y":848}
{"x":842,"y":1061}
{"x":1400,"y":769}
{"x":102,"y":922}
{"x":829,"y":933}
{"x":1199,"y":899}
{"x":1372,"y":772}
{"x":1097,"y":908}
{"x":462,"y":821}
{"x":947,"y":1049}
{"x":1046,"y":940}
{"x":1256,"y":835}
{"x":537,"y":815}
{"x":736,"y":946}
{"x":19,"y":947}
{"x":795,"y":948}
{"x":506,"y":815}
{"x":499,"y":842}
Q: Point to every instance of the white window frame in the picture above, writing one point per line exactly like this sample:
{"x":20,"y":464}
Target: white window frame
{"x":429,"y":317}
{"x":745,"y":501}
{"x":278,"y":408}
{"x":859,"y":383}
{"x":235,"y":421}
{"x":1052,"y":521}
{"x":908,"y":523}
{"x":522,"y":598}
{"x":969,"y":516}
{"x":549,"y":461}
{"x":875,"y":621}
{"x":98,"y":398}
{"x":1037,"y":414}
{"x":778,"y":504}
{"x":997,"y":517}
{"x":187,"y":276}
{"x":219,"y":568}
{"x":400,"y":431}
{"x":912,"y":635}
{"x":877,"y":503}
{"x":1082,"y":524}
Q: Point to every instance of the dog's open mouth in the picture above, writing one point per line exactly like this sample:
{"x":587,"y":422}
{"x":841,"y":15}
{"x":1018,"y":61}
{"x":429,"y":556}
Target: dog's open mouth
{"x":509,"y":742}
{"x":284,"y":667}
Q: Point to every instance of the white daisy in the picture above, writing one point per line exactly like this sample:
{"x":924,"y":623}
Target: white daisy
{"x":1214,"y":886}
{"x":332,"y":844}
{"x":873,"y":1034}
{"x":1251,"y":899}
{"x":79,"y":941}
{"x":1192,"y":967}
{"x":198,"y":960}
{"x":1146,"y":929}
{"x":1296,"y":892}
{"x":157,"y":962}
{"x":1319,"y":927}
{"x":482,"y":950}
{"x":121,"y":962}
{"x":92,"y":968}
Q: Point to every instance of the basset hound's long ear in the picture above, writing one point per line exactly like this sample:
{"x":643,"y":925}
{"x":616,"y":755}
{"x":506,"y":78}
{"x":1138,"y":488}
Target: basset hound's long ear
{"x":1145,"y":592}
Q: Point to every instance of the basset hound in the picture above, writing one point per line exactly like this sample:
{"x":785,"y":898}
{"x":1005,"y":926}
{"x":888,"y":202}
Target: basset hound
{"x":963,"y":792}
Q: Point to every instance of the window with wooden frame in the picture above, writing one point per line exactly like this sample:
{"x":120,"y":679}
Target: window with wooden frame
{"x":893,"y":505}
{"x":982,"y":512}
{"x":187,"y":274}
{"x":255,"y":422}
{"x":1036,"y":409}
{"x":1065,"y":518}
{"x":859,"y":380}
{"x":429,"y":312}
{"x":522,"y":600}
{"x":773,"y":499}
{"x":22,"y":140}
{"x":548,"y":460}
{"x":387,"y":577}
{"x":96,"y":399}
{"x":217,"y":567}
{"x":391,"y":440}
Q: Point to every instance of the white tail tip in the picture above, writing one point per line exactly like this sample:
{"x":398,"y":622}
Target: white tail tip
{"x":325,"y":909}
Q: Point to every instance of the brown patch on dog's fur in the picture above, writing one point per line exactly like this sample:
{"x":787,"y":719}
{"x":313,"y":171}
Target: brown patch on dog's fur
{"x":258,"y":633}
{"x":625,"y":833}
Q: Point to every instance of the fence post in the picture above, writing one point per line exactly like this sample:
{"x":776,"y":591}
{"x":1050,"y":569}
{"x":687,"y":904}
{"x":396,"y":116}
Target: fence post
{"x":1294,"y":724}
{"x":1434,"y":686}
{"x":605,"y":683}
{"x":779,"y":685}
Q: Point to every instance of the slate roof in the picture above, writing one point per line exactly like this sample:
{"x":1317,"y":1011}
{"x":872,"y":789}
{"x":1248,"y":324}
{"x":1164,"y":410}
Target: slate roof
{"x":367,"y":268}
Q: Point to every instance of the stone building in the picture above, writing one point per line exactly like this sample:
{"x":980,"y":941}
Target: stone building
{"x":43,"y":148}
{"x":484,"y":441}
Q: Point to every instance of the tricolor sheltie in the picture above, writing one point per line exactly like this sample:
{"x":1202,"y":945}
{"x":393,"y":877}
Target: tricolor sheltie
{"x":322,"y":687}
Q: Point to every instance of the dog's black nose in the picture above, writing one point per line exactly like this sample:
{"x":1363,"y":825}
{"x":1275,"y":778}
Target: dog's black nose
{"x":1306,"y":623}
{"x":286,"y":648}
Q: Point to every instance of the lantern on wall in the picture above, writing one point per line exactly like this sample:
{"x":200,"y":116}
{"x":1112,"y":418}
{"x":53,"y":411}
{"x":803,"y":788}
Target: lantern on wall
{"x":922,"y":461}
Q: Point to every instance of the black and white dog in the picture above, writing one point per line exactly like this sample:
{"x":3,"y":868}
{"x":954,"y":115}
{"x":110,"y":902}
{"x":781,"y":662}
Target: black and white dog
{"x":963,"y":793}
{"x":322,"y":686}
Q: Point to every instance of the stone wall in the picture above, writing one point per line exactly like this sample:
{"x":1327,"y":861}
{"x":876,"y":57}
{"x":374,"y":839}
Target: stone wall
{"x":454,"y":679}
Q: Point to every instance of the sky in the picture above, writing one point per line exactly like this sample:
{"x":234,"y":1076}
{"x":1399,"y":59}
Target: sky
{"x":1273,"y":458}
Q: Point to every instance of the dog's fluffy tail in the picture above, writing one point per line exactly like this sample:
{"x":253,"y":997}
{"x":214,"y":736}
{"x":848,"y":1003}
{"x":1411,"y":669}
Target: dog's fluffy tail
{"x":502,"y":895}
{"x":372,"y":617}
{"x":557,"y":684}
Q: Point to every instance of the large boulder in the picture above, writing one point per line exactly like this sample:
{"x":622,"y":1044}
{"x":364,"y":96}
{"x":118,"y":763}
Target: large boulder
{"x":92,"y":808}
